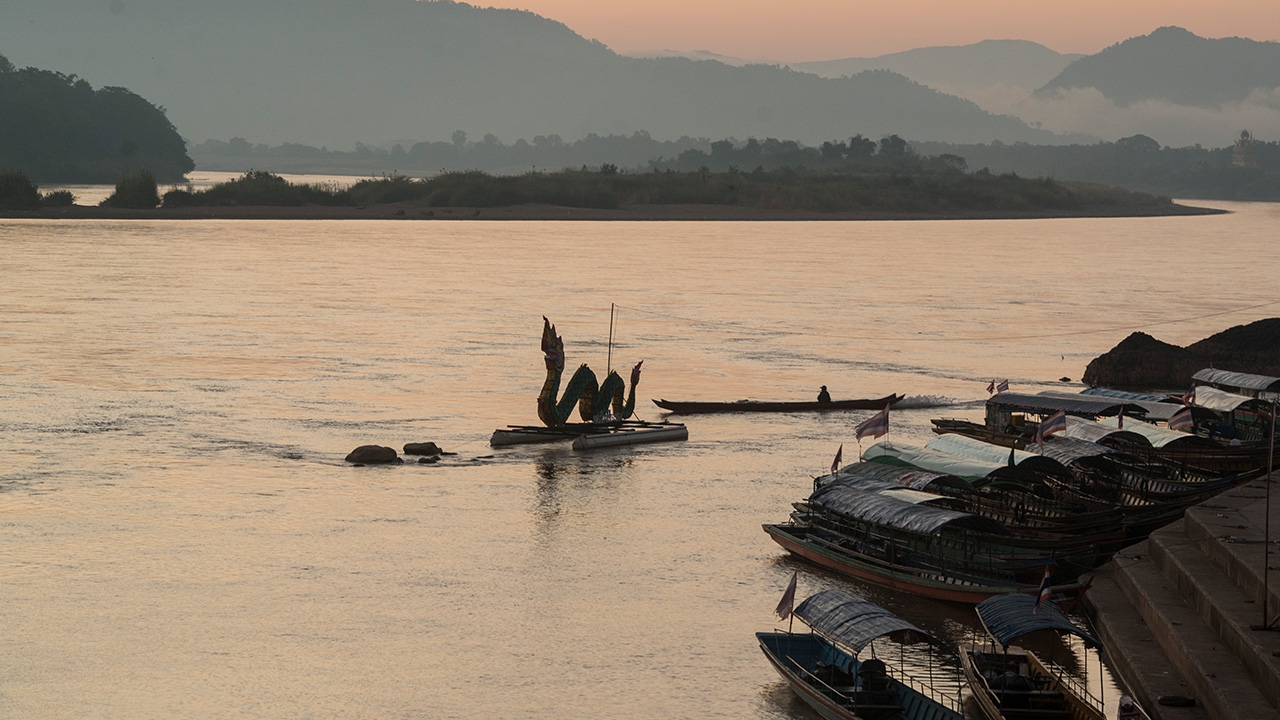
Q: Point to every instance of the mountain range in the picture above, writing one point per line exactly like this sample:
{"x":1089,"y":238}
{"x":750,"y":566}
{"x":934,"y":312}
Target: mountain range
{"x":333,"y":72}
{"x":338,"y":72}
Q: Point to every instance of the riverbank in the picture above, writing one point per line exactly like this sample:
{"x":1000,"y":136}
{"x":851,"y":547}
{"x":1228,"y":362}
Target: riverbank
{"x":651,"y":212}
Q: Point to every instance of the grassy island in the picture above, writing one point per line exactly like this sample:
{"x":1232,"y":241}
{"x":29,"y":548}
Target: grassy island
{"x":931,"y":191}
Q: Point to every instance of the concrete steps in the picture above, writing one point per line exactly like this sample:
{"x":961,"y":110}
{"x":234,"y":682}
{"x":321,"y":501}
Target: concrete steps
{"x":1183,"y":605}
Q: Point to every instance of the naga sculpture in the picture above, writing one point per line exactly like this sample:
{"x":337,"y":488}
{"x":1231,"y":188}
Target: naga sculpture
{"x":593,"y":399}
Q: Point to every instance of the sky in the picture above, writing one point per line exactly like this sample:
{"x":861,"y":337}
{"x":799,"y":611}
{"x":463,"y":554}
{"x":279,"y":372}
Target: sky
{"x":806,"y":30}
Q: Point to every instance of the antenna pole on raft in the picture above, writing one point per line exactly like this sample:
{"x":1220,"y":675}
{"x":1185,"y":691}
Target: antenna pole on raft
{"x":609,"y":363}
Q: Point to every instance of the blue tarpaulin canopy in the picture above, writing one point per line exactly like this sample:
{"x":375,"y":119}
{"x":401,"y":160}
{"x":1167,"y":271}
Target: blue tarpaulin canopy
{"x":1009,"y":617}
{"x":853,"y":623}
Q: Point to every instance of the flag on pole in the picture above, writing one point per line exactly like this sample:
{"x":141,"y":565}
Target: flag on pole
{"x":1003,"y":386}
{"x":1181,"y":420}
{"x":875,"y":426}
{"x":1045,"y":591}
{"x":787,"y":604}
{"x":1190,"y":397}
{"x":1055,"y":424}
{"x":991,"y":387}
{"x":835,"y":464}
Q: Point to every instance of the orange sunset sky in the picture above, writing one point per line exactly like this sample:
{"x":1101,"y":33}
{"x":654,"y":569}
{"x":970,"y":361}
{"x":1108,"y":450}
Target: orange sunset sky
{"x":803,"y":30}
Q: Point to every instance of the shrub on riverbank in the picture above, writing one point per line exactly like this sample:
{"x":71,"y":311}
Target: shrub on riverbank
{"x":136,"y":190}
{"x":17,"y":192}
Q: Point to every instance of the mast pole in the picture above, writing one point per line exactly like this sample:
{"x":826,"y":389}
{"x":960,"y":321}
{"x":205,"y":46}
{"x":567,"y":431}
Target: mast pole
{"x":609,"y":363}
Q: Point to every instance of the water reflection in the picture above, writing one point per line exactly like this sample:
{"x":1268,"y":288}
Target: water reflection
{"x":574,"y":480}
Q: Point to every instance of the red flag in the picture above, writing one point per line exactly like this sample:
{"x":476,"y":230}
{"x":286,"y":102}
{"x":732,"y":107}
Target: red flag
{"x":1055,"y":424}
{"x":1181,"y":420}
{"x":835,"y":464}
{"x":991,"y":387}
{"x":875,"y":426}
{"x":787,"y":604}
{"x":1045,"y":591}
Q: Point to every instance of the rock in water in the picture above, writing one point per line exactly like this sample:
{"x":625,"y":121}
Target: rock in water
{"x":424,"y":448}
{"x":373,"y":455}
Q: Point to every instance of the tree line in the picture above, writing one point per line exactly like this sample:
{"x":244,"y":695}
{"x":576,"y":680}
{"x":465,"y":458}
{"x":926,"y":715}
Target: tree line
{"x":56,"y":128}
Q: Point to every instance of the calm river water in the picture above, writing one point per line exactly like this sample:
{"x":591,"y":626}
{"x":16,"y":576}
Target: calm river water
{"x":182,"y":538}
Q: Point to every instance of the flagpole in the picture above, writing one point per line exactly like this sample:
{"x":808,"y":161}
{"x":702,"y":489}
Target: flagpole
{"x":1266,"y":545}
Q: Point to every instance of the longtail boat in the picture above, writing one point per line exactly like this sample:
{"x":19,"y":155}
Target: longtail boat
{"x":824,"y":668}
{"x":742,"y":406}
{"x":1010,"y":683}
{"x":854,"y":527}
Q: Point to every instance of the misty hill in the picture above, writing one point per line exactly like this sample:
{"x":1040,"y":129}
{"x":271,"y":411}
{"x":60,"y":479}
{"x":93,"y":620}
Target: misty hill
{"x":1011,"y":63}
{"x":1174,"y":65}
{"x":57,"y":128}
{"x":336,"y":71}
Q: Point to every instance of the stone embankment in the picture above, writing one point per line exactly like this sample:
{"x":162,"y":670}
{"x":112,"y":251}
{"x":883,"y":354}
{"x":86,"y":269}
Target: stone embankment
{"x":1181,"y":614}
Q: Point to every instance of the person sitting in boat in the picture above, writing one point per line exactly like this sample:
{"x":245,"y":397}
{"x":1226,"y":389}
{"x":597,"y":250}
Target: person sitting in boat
{"x":823,"y":395}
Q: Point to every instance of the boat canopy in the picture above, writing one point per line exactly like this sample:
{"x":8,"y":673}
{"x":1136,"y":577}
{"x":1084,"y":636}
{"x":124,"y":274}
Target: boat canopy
{"x":1156,"y":435}
{"x":1125,"y":395}
{"x":907,"y":477}
{"x":1217,"y":400}
{"x":1071,"y":403}
{"x":1068,"y":450}
{"x":1239,"y":380}
{"x":932,"y":461}
{"x":887,"y":511}
{"x":1010,"y":616}
{"x":887,"y":487}
{"x":853,"y":623}
{"x":975,"y":449}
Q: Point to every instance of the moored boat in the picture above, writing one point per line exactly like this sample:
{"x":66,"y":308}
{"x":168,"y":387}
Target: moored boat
{"x":824,"y":667}
{"x":1011,"y":683}
{"x":692,"y":407}
{"x":587,"y":436}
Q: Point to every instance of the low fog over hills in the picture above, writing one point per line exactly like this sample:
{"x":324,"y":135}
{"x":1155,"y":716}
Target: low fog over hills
{"x":333,"y":72}
{"x":993,"y":73}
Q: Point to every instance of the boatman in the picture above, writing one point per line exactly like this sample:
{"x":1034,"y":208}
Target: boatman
{"x":823,"y":395}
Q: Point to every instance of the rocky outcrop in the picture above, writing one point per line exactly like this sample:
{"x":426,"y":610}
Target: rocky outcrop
{"x":422,"y":448}
{"x":373,"y":455}
{"x":1143,"y":362}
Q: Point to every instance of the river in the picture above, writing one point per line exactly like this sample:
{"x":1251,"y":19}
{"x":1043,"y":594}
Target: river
{"x":182,"y":538}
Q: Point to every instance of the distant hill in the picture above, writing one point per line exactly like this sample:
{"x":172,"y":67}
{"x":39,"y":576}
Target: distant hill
{"x":57,"y":128}
{"x":333,"y":72}
{"x":1011,"y":63}
{"x":1176,"y":66}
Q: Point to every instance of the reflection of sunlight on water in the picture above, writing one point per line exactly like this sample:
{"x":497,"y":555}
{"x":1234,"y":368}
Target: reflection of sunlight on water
{"x":177,"y":398}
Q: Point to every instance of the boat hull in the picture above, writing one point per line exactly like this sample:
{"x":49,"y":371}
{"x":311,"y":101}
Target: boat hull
{"x":587,"y":436}
{"x":744,"y":406}
{"x":625,"y":436}
{"x":902,"y":578}
{"x":909,"y":703}
{"x":1037,"y":705}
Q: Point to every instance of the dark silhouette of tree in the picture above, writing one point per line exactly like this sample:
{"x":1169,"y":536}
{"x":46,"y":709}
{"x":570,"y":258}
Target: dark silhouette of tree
{"x":57,"y":128}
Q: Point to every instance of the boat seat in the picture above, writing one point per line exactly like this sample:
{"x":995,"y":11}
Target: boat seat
{"x":874,"y":675}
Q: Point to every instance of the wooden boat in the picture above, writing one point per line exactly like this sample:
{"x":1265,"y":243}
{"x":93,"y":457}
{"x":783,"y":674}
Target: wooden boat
{"x":1010,"y":683}
{"x":823,"y":667}
{"x":627,"y":432}
{"x":691,"y":407}
{"x":846,"y":555}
